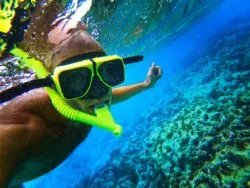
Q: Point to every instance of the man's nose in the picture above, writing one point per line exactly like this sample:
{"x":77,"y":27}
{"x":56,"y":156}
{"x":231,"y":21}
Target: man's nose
{"x":98,"y":89}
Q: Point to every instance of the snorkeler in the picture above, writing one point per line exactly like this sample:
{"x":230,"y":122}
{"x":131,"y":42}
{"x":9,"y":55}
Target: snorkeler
{"x":37,"y":133}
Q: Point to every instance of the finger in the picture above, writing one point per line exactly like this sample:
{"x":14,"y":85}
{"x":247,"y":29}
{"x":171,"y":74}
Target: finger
{"x":153,"y":64}
{"x":157,"y":67}
{"x":151,"y":69}
{"x":159,"y":72}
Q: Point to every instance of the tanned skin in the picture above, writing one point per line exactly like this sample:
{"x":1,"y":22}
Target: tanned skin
{"x":35,"y":138}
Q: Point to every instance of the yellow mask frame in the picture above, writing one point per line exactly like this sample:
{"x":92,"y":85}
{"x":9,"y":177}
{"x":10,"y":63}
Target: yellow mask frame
{"x":86,"y":64}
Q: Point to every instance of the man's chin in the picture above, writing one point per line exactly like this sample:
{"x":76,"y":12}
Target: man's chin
{"x":89,"y":110}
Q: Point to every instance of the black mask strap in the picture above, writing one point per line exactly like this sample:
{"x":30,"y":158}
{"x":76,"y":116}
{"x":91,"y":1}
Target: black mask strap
{"x":133,"y":59}
{"x":82,"y":57}
{"x":10,"y":93}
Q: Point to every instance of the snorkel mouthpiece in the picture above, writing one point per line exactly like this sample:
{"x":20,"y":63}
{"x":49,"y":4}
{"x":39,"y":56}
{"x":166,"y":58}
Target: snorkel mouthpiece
{"x":103,"y":118}
{"x":103,"y":112}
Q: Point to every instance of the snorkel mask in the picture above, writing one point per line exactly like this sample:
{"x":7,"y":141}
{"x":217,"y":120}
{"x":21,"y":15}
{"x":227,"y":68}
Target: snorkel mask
{"x":73,"y":81}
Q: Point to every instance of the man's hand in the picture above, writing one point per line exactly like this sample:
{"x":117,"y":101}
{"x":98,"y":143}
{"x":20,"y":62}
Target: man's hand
{"x":125,"y":92}
{"x":154,"y":74}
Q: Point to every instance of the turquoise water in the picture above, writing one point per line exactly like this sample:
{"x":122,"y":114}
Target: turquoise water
{"x":188,"y":59}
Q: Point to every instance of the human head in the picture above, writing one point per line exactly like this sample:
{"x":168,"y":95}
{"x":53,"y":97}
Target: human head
{"x":80,"y":43}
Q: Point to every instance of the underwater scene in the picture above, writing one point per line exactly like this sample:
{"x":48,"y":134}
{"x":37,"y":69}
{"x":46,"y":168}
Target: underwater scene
{"x":191,"y":128}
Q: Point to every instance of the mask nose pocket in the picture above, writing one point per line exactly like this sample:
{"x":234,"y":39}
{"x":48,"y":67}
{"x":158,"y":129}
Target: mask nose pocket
{"x":97,"y":89}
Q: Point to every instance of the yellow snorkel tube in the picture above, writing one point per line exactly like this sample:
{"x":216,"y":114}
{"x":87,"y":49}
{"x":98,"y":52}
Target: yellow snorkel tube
{"x":103,"y":118}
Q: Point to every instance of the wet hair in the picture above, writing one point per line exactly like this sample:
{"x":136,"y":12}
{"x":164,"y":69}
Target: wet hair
{"x":82,"y":57}
{"x":78,"y":46}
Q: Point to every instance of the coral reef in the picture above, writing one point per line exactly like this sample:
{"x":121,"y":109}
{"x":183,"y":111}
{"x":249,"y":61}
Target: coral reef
{"x":198,"y":137}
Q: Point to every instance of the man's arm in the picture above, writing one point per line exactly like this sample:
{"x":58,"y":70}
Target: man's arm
{"x":125,"y":92}
{"x":13,"y":139}
{"x":19,"y":135}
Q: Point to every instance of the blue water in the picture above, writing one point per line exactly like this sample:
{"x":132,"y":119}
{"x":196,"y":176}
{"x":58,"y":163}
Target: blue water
{"x":173,"y":57}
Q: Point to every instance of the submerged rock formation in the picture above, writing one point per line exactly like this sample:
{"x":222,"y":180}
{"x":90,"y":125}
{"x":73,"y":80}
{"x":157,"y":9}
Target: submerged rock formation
{"x":198,"y":137}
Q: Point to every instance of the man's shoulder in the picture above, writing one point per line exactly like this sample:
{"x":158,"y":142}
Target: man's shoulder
{"x":22,"y":106}
{"x":24,"y":114}
{"x":27,"y":99}
{"x":33,"y":110}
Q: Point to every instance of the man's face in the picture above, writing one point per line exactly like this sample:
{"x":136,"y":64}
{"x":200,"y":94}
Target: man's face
{"x":82,"y":43}
{"x":98,"y":94}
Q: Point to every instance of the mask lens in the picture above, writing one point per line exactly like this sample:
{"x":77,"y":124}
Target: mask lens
{"x":74,"y":83}
{"x":112,"y":72}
